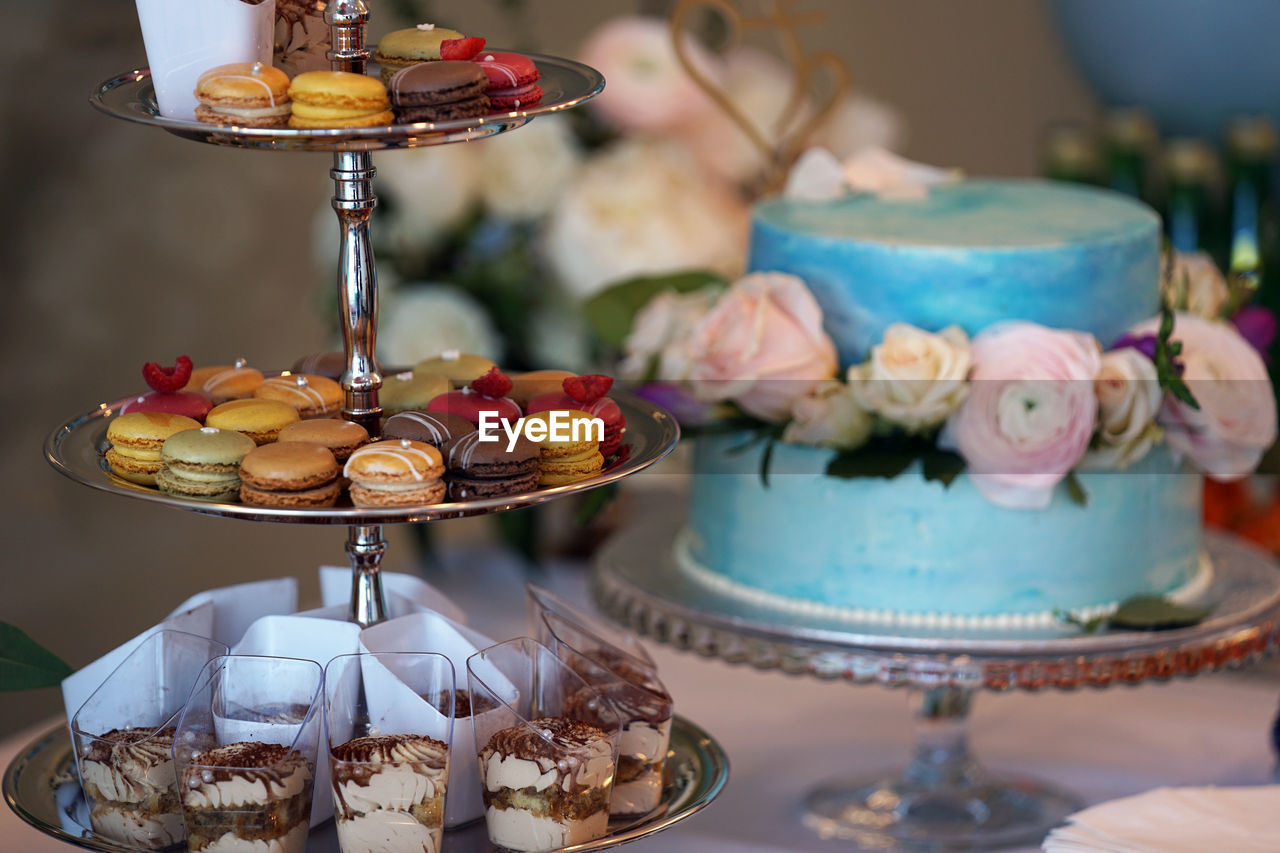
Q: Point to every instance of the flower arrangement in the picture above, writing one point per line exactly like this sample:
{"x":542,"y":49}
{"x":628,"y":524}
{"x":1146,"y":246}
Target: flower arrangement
{"x":1020,"y":406}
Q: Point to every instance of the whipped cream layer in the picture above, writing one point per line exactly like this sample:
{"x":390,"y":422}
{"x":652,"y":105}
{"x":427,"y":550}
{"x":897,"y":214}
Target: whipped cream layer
{"x":638,"y":796}
{"x":294,"y":841}
{"x":591,"y":768}
{"x":384,"y":831}
{"x":129,"y":766}
{"x":397,"y":788}
{"x":242,"y":775}
{"x":517,"y":829}
{"x":645,"y":741}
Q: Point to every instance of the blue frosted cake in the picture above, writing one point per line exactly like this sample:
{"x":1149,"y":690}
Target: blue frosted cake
{"x":909,"y":549}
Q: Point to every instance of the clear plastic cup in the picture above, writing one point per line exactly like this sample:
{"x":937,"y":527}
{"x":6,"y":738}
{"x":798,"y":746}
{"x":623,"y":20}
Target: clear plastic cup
{"x":245,"y":751}
{"x":389,"y":727}
{"x":123,"y":736}
{"x":547,"y":774}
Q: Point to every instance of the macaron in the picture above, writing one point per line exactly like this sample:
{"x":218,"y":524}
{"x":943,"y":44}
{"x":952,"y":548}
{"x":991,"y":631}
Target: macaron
{"x":526,"y":386}
{"x":261,"y":420}
{"x":186,"y":403}
{"x":434,"y":428}
{"x":472,"y":405}
{"x":203,"y":464}
{"x":405,"y":392}
{"x":313,"y":396}
{"x":570,"y":451}
{"x":402,"y":48}
{"x":341,"y":437}
{"x":247,"y":94}
{"x":438,"y":91}
{"x":459,"y":367}
{"x":221,"y":383}
{"x":137,"y":440}
{"x":395,"y":472}
{"x":489,"y":469}
{"x":292,"y":474}
{"x":512,"y":79}
{"x":604,"y":408}
{"x":329,"y":99}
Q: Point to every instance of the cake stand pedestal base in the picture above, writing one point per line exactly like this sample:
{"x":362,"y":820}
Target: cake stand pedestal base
{"x":943,"y":800}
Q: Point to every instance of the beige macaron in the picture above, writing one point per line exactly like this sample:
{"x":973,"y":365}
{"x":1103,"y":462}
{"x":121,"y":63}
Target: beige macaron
{"x":396,"y":472}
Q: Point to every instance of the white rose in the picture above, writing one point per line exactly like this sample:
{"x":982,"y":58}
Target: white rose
{"x":643,"y":208}
{"x":858,"y":123}
{"x":1195,"y":285}
{"x":422,"y":320}
{"x":915,"y":378}
{"x":1129,"y":397}
{"x":661,"y":332}
{"x":425,"y":192}
{"x":522,"y":175}
{"x":828,"y":416}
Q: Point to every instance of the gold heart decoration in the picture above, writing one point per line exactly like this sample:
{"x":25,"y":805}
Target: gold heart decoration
{"x":793,"y":129}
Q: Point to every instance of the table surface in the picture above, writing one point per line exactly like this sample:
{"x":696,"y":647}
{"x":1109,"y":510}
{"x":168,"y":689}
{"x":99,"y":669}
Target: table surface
{"x":785,"y":734}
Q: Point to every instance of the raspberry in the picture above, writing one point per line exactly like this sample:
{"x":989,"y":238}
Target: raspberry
{"x":495,"y":384}
{"x":463,"y":48}
{"x":167,"y":379}
{"x":585,"y":390}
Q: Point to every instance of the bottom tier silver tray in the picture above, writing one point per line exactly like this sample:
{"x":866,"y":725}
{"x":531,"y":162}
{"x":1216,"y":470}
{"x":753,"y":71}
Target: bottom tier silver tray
{"x":40,"y":786}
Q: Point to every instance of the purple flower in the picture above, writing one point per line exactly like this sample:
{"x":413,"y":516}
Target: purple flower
{"x":1145,"y":344}
{"x":679,"y":401}
{"x":1257,"y":325}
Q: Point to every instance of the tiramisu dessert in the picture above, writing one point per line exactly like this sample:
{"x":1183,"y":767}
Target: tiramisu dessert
{"x":128,"y":776}
{"x":546,"y":784}
{"x":388,"y":793}
{"x":645,"y":714}
{"x":247,"y":797}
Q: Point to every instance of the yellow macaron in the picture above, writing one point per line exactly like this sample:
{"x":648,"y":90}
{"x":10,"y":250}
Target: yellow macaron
{"x":329,"y":99}
{"x":259,"y":419}
{"x":136,"y":443}
{"x":401,"y":48}
{"x":568,"y":446}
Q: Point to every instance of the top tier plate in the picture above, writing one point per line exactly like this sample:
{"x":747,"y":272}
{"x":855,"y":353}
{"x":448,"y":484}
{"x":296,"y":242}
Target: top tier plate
{"x":564,"y":83}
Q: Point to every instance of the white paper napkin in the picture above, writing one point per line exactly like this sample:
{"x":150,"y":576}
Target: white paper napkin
{"x":407,"y":592}
{"x":1176,"y":820}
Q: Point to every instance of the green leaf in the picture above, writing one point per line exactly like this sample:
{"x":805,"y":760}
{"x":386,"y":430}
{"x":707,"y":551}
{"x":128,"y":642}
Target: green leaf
{"x":595,"y":502}
{"x":1153,"y":613}
{"x":942,"y":466}
{"x":851,"y":464}
{"x":1088,"y":626}
{"x":25,"y":664}
{"x":1167,"y":352}
{"x":1075,"y":490}
{"x":766,"y":458}
{"x":611,"y":312}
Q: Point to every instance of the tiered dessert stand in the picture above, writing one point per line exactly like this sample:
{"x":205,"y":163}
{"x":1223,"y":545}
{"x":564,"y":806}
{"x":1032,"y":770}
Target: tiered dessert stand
{"x":40,"y":784}
{"x":944,"y":800}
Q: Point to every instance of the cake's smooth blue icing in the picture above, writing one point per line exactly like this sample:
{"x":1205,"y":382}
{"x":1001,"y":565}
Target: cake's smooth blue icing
{"x":908,"y":545}
{"x":971,"y":254}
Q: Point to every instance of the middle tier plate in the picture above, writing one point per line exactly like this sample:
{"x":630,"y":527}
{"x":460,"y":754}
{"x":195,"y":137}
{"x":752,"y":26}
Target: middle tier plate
{"x":76,"y":449}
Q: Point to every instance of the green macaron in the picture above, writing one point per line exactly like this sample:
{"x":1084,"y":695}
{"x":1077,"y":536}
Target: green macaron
{"x":203,"y":463}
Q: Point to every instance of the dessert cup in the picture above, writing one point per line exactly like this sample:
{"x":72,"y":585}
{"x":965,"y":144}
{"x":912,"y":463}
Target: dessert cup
{"x":245,"y":751}
{"x":389,"y":726}
{"x":184,"y":40}
{"x":547,"y":777}
{"x":628,"y":683}
{"x":123,"y":736}
{"x":543,"y":602}
{"x":456,"y":642}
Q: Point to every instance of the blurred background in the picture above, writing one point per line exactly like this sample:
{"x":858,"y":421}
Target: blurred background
{"x":123,"y":245}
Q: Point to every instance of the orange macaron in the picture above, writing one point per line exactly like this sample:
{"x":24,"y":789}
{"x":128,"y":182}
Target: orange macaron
{"x":396,"y":472}
{"x":288,"y":475}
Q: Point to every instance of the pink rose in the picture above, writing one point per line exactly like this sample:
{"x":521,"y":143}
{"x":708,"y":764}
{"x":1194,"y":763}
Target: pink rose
{"x":762,"y":346}
{"x":1236,"y":422}
{"x":1030,"y":412}
{"x":647,"y":89}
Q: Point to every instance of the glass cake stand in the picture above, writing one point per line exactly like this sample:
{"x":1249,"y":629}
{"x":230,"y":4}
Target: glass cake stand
{"x":40,"y":785}
{"x":944,"y":800}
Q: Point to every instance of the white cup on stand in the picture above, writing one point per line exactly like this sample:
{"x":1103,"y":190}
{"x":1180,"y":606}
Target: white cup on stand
{"x":185,"y":38}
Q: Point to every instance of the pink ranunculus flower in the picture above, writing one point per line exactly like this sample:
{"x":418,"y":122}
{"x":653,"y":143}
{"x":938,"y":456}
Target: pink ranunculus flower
{"x":1030,"y":412}
{"x":762,"y":346}
{"x":1236,"y":422}
{"x":647,"y":89}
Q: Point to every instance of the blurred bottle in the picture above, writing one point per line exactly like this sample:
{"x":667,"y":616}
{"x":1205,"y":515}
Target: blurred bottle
{"x":1131,"y":142}
{"x":1191,"y":174}
{"x":1252,"y":147}
{"x":1071,"y":154}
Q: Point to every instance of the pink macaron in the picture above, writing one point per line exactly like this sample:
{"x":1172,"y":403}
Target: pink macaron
{"x":513,"y":79}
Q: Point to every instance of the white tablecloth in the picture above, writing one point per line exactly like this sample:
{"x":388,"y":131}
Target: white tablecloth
{"x":785,"y":734}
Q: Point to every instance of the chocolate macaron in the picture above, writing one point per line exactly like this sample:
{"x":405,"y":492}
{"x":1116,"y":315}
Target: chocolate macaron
{"x":433,"y":428}
{"x":438,"y":91}
{"x":487,"y":469}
